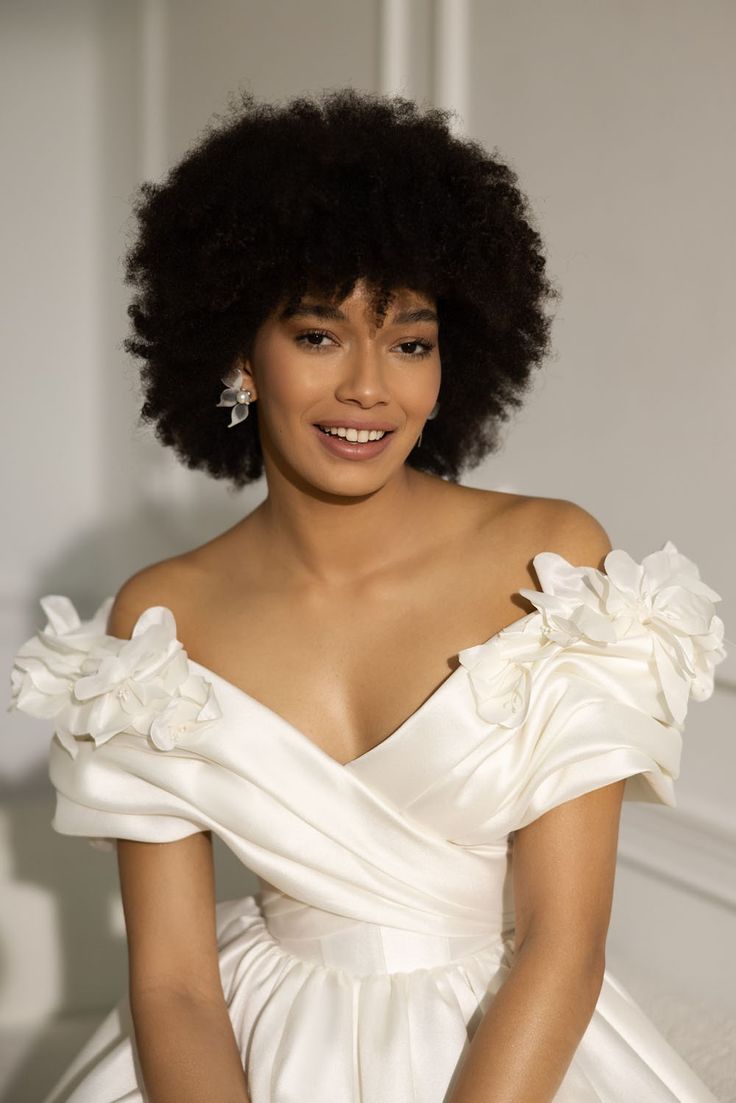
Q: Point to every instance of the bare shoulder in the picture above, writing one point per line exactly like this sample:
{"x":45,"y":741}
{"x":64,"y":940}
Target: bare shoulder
{"x":160,"y":583}
{"x":573,"y":532}
{"x":527,"y":525}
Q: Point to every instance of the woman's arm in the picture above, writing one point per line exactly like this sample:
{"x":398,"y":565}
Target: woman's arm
{"x":563,"y":870}
{"x":185,"y":1041}
{"x":187,"y":1050}
{"x":184,"y":1036}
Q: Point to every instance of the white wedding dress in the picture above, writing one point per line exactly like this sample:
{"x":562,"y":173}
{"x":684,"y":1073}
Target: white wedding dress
{"x":384,"y":922}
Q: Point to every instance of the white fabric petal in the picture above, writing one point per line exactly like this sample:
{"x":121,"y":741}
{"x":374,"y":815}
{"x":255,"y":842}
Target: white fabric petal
{"x":662,"y":602}
{"x":96,"y":686}
{"x":233,"y":378}
{"x":228,"y":397}
{"x":239,"y":413}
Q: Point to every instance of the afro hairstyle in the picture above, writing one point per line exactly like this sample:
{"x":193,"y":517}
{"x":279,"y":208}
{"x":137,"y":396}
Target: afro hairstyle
{"x":276,"y":201}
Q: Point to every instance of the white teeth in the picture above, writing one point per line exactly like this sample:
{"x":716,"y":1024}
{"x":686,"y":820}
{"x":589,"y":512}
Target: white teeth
{"x":360,"y":435}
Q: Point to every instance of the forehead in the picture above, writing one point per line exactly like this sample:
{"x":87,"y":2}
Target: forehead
{"x":405,"y":306}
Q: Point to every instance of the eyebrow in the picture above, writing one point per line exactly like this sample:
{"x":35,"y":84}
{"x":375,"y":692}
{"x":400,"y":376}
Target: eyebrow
{"x":327,"y":310}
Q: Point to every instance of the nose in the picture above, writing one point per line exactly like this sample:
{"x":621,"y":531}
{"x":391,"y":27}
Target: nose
{"x":364,"y":378}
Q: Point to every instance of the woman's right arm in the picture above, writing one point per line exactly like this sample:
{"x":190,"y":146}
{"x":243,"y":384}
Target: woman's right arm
{"x":185,"y":1041}
{"x":184,"y":1036}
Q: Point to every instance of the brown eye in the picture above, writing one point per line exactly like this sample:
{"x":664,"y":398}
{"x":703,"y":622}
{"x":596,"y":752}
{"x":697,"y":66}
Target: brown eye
{"x":426,"y":346}
{"x":303,"y":338}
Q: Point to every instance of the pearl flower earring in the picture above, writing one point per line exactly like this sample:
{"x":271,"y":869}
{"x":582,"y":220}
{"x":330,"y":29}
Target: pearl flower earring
{"x":235,"y":395}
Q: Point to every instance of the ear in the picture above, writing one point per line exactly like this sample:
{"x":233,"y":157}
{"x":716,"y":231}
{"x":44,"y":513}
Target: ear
{"x":248,"y":381}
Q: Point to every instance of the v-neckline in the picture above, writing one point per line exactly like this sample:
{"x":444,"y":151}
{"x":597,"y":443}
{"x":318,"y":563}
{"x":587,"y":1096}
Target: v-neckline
{"x":436,"y":694}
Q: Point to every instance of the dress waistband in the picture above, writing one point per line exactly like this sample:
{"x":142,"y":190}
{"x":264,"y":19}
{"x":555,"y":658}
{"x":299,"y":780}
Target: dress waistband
{"x":363,"y":947}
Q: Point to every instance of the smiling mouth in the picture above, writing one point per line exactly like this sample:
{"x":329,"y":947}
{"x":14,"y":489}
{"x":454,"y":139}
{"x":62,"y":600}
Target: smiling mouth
{"x":355,"y":434}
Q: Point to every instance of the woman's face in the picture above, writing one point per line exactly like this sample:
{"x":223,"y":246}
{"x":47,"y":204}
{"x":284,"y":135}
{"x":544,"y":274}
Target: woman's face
{"x":325,"y":363}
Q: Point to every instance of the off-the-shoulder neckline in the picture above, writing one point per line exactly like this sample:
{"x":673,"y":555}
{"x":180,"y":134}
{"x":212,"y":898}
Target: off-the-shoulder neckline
{"x":443,"y":687}
{"x":580,"y":572}
{"x":437,"y":693}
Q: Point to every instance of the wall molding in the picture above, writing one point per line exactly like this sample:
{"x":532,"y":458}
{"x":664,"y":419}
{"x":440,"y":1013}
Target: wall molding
{"x":394,"y":62}
{"x":449,"y":26}
{"x":451,"y":60}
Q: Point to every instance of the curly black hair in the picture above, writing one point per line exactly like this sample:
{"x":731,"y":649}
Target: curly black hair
{"x":279,"y":200}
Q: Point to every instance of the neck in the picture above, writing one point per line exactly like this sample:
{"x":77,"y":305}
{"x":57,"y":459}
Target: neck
{"x":336,"y":540}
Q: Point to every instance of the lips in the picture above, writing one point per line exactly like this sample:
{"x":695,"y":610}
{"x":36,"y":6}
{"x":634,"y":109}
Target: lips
{"x":353,"y":425}
{"x":366,"y":428}
{"x":353,"y":449}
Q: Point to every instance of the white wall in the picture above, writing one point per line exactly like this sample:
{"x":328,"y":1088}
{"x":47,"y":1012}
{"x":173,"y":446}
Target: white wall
{"x":619,"y":120}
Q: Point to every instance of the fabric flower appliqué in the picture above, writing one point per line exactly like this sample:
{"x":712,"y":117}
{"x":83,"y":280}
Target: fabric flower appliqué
{"x":500,"y":671}
{"x":97,"y":685}
{"x":662,"y":598}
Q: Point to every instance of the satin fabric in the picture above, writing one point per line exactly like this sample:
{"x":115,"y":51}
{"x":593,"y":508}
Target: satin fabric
{"x":384,"y":921}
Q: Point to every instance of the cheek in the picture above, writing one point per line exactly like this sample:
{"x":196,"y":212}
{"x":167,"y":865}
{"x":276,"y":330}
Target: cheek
{"x":285,"y":384}
{"x":415,"y":393}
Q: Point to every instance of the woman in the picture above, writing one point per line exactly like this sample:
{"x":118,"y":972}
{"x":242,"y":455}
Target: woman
{"x":433,"y":820}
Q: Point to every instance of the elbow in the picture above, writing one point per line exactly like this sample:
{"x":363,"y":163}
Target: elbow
{"x":143,"y":999}
{"x":584,"y":961}
{"x":597,"y":974}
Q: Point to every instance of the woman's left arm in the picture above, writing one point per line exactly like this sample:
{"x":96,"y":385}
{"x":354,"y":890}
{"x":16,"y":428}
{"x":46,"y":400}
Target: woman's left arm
{"x":563,"y":870}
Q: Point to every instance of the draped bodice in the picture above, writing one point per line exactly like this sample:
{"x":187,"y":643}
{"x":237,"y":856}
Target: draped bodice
{"x":416,"y":834}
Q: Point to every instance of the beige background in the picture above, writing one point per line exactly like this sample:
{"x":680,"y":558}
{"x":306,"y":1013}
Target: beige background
{"x":619,"y":119}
